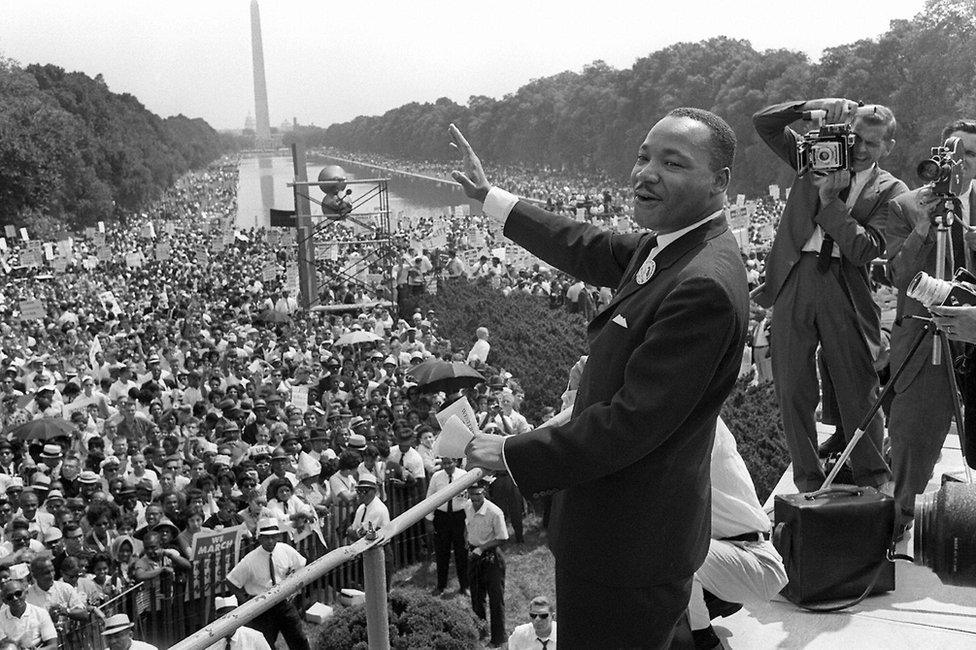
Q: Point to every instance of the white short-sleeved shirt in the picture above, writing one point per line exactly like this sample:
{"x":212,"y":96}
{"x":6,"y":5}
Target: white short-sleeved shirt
{"x":60,"y":593}
{"x":524,"y":638}
{"x":375,"y":513}
{"x":413,"y":462}
{"x":244,"y":639}
{"x":30,"y":630}
{"x":485,"y":524}
{"x":251,"y":573}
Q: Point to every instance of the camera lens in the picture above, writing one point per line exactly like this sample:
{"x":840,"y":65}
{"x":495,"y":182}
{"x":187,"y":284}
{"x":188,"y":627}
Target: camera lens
{"x":824,"y":155}
{"x":945,"y":533}
{"x":929,"y":170}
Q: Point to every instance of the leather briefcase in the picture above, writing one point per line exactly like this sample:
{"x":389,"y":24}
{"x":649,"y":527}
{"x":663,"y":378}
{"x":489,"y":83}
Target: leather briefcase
{"x":834,"y":543}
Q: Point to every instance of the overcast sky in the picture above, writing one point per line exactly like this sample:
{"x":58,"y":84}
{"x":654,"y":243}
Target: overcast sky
{"x":329,"y":61}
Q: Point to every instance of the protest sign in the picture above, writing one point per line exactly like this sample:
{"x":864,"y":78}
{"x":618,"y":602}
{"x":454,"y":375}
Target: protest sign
{"x":299,"y":397}
{"x":740,"y":200}
{"x":64,"y":247}
{"x":133,"y":260}
{"x":89,"y":233}
{"x":269,"y":273}
{"x":59,"y":264}
{"x":104,"y":254}
{"x":48,"y":251}
{"x":3,"y":244}
{"x":162,"y":251}
{"x":30,"y":259}
{"x":10,"y":231}
{"x":774,"y":191}
{"x":202,"y":257}
{"x":32,"y":310}
{"x":214,"y":554}
{"x":101,"y":227}
{"x":24,"y":235}
{"x":499,"y":253}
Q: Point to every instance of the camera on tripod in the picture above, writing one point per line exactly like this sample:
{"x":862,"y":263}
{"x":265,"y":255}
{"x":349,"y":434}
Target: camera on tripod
{"x":826,"y":148}
{"x":944,"y":169}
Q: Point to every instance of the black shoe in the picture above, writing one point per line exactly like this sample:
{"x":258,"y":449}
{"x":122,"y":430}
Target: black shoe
{"x":832,"y":445}
{"x":718,"y":607}
{"x":706,"y":639}
{"x":437,"y":592}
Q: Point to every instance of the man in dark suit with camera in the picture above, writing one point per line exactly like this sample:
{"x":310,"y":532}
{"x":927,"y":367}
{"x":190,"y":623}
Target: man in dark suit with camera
{"x":817,"y":280}
{"x":923,"y":407}
{"x":630,"y":471}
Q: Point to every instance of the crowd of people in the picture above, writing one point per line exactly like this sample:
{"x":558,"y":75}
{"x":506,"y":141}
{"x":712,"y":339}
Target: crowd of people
{"x":194,"y":394}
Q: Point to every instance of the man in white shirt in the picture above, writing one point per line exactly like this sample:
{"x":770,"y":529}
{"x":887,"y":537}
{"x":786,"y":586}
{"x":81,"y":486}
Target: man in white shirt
{"x":540,"y":632}
{"x":372,"y":514}
{"x":26,"y":625}
{"x":481,"y":348}
{"x":407,"y":457}
{"x":57,"y":597}
{"x":243,"y":638}
{"x":486,"y":530}
{"x":261,"y":570}
{"x":742,"y":566}
{"x":118,"y":634}
{"x":448,"y":521}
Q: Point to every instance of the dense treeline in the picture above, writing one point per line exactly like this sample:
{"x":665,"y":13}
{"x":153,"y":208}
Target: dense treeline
{"x":923,"y":68}
{"x":73,"y":153}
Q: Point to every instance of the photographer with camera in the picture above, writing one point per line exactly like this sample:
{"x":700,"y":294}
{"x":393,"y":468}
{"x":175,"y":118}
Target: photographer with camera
{"x":817,"y":274}
{"x":922,"y":406}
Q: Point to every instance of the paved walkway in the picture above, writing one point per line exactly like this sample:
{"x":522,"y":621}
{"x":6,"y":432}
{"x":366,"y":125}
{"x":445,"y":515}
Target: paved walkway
{"x":920,"y":613}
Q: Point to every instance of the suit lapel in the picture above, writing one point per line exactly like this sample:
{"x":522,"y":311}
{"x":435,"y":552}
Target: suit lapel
{"x":672,"y":253}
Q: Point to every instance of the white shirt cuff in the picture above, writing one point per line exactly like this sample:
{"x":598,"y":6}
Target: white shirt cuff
{"x":499,"y":203}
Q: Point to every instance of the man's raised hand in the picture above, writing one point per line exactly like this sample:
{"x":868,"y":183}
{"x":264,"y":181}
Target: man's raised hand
{"x":472,"y":180}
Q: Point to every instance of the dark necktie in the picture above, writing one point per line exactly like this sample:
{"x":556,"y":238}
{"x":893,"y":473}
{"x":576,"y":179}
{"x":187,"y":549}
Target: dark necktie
{"x":450,"y":502}
{"x":227,"y":643}
{"x":827,"y":247}
{"x":545,"y":644}
{"x":271,"y":568}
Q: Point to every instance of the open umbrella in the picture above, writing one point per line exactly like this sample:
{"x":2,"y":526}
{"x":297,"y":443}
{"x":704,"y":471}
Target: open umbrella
{"x":42,"y":429}
{"x":448,"y":376}
{"x":273,"y":316}
{"x":357,"y":336}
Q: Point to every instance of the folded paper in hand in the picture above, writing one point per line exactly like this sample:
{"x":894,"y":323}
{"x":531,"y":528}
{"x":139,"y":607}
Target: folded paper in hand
{"x":453,"y":439}
{"x":462,"y":409}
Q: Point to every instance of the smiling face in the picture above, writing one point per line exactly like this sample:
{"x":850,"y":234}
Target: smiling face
{"x":871,"y":144}
{"x":674,"y":184}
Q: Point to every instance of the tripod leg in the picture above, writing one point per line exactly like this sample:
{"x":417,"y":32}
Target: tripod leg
{"x":866,"y":421}
{"x":956,"y":403}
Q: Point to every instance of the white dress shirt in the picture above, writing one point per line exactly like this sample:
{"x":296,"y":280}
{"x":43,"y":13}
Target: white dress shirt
{"x":252,"y":575}
{"x":816,"y":239}
{"x":525,"y":638}
{"x":440,"y":480}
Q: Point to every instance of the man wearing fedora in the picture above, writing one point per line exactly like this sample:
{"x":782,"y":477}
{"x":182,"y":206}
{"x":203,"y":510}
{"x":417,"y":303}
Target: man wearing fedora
{"x":118,"y":634}
{"x":29,"y":626}
{"x":243,"y":638}
{"x":261,"y":570}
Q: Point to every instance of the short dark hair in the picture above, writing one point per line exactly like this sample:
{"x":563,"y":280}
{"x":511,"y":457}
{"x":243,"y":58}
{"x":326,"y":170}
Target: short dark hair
{"x":878,"y":115}
{"x":723,"y":138}
{"x":963,"y":125}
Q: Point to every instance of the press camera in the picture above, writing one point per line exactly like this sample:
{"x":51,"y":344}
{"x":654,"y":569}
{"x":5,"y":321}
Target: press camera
{"x":826,"y":148}
{"x":944,"y":169}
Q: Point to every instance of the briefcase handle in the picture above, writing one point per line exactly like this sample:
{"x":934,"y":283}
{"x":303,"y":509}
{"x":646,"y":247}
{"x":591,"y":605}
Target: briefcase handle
{"x":852,"y":490}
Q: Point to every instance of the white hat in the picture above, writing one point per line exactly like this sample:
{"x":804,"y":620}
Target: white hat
{"x":116,"y":623}
{"x":268,"y":526}
{"x":19,"y":571}
{"x":225,"y":603}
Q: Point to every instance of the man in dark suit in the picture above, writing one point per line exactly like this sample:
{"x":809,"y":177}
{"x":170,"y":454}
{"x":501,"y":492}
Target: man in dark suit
{"x":630,"y":471}
{"x":922,"y":407}
{"x":817,"y":281}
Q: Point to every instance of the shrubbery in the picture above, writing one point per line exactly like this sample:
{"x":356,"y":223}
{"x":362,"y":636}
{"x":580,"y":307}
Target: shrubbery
{"x":416,"y":621}
{"x":752,"y":414}
{"x":536,"y":344}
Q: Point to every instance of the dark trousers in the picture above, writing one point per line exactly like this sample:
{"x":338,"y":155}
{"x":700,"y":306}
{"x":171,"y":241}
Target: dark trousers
{"x":486,"y":574}
{"x":449,"y":536}
{"x":813,"y":309}
{"x":612,"y":617}
{"x":283,"y":618}
{"x":506,"y":495}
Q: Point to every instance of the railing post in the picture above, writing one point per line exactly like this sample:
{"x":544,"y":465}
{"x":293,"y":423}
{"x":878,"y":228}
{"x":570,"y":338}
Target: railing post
{"x":377,"y":616}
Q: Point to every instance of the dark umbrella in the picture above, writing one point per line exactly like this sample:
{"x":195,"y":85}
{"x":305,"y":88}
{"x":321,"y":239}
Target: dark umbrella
{"x":42,"y":429}
{"x":448,"y":376}
{"x":273,"y":316}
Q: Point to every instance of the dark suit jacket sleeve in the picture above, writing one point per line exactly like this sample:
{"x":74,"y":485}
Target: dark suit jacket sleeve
{"x":663,"y":383}
{"x":860,"y":243}
{"x":773,"y":126}
{"x":586,"y":252}
{"x":907,"y":250}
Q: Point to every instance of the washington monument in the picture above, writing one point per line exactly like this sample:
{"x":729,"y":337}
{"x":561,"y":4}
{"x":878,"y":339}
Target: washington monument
{"x":262,"y":122}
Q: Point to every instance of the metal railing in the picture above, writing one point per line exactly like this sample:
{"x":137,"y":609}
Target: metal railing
{"x":373,"y":552}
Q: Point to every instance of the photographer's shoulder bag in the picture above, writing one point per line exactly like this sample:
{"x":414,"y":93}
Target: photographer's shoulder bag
{"x":834,"y":544}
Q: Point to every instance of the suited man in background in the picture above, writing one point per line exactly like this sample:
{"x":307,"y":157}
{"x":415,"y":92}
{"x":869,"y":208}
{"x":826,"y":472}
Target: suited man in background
{"x":833,"y":225}
{"x":922,"y":407}
{"x":630,"y":470}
